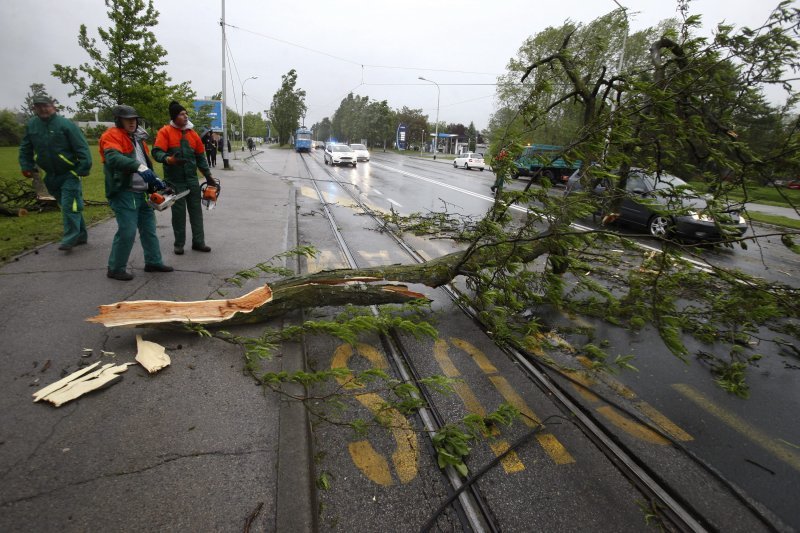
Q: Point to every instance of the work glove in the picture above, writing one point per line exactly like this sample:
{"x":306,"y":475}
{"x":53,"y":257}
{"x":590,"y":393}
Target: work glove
{"x":213,"y":182}
{"x":150,"y":177}
{"x":175,"y":160}
{"x":27,"y":173}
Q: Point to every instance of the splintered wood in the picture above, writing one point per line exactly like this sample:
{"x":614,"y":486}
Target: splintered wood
{"x":153,"y":357}
{"x":159,"y":311}
{"x":80,"y":382}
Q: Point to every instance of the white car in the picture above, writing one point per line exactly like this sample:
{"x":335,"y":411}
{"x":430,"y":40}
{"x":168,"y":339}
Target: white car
{"x":339,"y":154}
{"x":362,"y":154}
{"x":469,"y":160}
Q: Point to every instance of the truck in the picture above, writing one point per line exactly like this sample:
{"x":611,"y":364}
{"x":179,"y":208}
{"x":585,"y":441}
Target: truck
{"x":544,"y":160}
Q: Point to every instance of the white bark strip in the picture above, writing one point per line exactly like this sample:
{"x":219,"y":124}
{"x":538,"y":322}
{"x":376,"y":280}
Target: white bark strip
{"x":152,"y":356}
{"x":77,"y":384}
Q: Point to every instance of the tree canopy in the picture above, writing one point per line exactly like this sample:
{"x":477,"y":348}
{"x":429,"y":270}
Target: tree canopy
{"x":288,"y":106}
{"x":126,"y":66}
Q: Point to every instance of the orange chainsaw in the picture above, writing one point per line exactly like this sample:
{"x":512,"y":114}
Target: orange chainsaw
{"x":209,"y":192}
{"x":164,"y":199}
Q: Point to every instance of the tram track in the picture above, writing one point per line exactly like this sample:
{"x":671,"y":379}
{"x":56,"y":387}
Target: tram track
{"x":472,"y":508}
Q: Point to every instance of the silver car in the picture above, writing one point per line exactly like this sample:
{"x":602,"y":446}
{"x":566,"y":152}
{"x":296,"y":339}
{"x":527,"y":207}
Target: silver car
{"x":362,"y":154}
{"x":339,"y":154}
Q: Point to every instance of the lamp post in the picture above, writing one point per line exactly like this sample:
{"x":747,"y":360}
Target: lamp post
{"x":436,"y":138}
{"x":619,"y":71}
{"x":245,"y":81}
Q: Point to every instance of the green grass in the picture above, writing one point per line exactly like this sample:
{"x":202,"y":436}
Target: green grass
{"x":775,"y":220}
{"x":760,"y":195}
{"x":18,"y":234}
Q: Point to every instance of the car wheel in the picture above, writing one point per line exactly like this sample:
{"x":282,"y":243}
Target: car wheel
{"x":660,"y":226}
{"x":481,"y":170}
{"x":354,"y":165}
{"x":455,"y":165}
{"x":466,"y":165}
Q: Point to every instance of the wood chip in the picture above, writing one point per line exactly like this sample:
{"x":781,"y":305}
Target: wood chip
{"x":79,"y":383}
{"x":152,"y":356}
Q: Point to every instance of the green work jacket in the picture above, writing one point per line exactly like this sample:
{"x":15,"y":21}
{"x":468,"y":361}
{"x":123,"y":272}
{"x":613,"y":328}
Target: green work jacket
{"x":56,"y":145}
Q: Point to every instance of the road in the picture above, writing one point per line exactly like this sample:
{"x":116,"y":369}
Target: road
{"x":752,"y":443}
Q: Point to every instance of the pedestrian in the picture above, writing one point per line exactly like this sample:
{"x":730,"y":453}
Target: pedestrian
{"x":129,"y":175}
{"x":55,"y":144}
{"x":179,"y":148}
{"x":211,"y":150}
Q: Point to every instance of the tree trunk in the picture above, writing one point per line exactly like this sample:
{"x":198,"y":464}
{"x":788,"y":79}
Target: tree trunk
{"x":325,"y":288}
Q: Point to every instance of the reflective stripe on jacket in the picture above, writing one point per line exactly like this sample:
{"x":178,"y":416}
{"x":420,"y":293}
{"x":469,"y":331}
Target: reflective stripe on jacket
{"x":55,"y":144}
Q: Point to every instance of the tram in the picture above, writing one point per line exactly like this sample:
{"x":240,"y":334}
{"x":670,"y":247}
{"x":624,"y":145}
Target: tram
{"x":302,"y":139}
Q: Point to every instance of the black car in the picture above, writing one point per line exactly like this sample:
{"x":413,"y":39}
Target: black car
{"x":667,"y":206}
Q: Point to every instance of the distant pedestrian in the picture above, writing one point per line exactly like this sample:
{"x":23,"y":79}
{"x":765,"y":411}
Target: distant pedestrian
{"x":211,"y":150}
{"x":55,"y":144}
{"x":129,"y":173}
{"x":179,"y":148}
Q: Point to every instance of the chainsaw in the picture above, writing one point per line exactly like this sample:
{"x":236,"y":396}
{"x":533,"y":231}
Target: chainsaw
{"x":165,"y":198}
{"x":209,"y":192}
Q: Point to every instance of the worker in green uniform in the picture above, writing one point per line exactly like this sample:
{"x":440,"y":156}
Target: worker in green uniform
{"x":58,"y":147}
{"x":182,"y":152}
{"x":129,"y":176}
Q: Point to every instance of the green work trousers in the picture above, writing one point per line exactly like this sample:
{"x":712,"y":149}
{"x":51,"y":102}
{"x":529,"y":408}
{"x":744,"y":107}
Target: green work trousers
{"x":132,"y":213}
{"x":190,"y":203}
{"x":68,"y":191}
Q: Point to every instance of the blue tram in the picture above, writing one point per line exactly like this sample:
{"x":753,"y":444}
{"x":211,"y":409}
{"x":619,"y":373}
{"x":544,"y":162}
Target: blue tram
{"x":302,"y":139}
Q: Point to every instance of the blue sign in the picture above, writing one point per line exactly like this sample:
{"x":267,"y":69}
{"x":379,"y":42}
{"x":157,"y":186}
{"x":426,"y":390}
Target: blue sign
{"x":215,"y":113}
{"x":402,"y":134}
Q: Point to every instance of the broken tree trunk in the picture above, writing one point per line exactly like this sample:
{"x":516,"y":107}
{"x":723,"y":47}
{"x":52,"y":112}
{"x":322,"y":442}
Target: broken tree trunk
{"x":363,"y":286}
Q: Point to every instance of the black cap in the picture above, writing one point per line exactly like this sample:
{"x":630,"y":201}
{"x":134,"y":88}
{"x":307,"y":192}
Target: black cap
{"x":175,"y":109}
{"x":42,"y":99}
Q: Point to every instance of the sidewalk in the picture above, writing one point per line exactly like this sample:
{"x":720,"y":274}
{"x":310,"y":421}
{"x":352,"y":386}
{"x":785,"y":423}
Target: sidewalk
{"x":194,"y":447}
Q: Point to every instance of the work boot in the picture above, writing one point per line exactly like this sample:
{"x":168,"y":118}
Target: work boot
{"x":120,"y":275}
{"x":178,"y":250}
{"x":65,"y":247}
{"x":158,"y":268}
{"x":201,"y":248}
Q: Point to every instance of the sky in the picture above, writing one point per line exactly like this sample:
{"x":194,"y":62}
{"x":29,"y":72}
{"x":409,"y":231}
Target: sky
{"x":371,"y":48}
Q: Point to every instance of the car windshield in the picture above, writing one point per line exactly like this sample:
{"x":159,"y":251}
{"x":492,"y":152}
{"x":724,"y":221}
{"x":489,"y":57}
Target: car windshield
{"x":340,"y":148}
{"x":358,"y":147}
{"x":665,"y":181}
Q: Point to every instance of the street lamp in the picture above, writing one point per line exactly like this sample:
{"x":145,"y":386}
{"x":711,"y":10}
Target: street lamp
{"x":619,"y":71}
{"x":245,"y":81}
{"x":438,"y":94}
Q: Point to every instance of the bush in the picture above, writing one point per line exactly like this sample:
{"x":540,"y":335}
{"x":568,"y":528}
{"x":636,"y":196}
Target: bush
{"x":11,"y":131}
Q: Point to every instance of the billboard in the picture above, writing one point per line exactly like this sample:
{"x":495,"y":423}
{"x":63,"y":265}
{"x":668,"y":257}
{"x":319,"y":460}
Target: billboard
{"x":215,"y":113}
{"x":402,"y":132}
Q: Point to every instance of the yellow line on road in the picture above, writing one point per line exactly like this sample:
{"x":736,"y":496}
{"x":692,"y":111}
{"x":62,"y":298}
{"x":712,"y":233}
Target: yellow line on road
{"x":479,"y":357}
{"x":663,"y":422}
{"x":631,"y":427}
{"x":740,"y":425}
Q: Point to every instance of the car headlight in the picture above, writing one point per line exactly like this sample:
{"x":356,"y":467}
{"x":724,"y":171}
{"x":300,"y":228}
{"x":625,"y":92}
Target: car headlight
{"x":701,"y":216}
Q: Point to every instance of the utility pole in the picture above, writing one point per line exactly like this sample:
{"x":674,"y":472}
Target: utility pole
{"x":225,"y":162}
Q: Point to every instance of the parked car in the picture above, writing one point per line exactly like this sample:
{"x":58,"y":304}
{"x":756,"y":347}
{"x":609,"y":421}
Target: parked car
{"x":794,"y":184}
{"x":469,"y":160}
{"x":339,"y":154}
{"x":362,"y":154}
{"x":667,"y":206}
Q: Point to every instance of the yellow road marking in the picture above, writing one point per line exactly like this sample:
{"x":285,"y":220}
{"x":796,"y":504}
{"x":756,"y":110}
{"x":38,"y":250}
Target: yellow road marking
{"x":631,"y":427}
{"x":440,"y":354}
{"x":511,"y":462}
{"x":370,"y":462}
{"x":557,"y":452}
{"x":478,"y":356}
{"x":663,"y":422}
{"x":740,"y":425}
{"x":365,"y":457}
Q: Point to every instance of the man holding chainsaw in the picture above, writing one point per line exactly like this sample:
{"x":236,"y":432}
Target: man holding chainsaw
{"x":181,"y":151}
{"x":62,"y":152}
{"x":129,"y":177}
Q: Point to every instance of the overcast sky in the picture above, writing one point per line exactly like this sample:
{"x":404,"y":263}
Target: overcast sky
{"x":372,"y":48}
